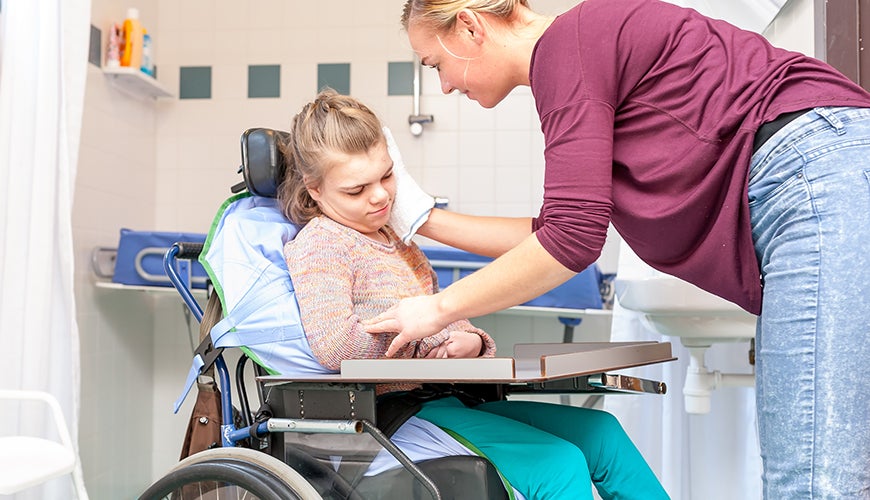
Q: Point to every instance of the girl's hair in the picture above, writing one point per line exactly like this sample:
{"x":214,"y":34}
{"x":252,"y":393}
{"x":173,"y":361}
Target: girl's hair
{"x":440,"y":15}
{"x":331,"y":126}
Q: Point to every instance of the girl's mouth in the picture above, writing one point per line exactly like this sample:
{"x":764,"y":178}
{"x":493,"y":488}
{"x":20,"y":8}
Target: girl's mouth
{"x":381,"y":211}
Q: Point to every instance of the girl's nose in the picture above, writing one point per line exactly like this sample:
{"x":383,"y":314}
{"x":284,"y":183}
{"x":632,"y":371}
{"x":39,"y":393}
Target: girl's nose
{"x":379,"y":194}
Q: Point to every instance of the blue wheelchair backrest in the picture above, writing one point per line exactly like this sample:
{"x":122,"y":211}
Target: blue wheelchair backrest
{"x":243,"y":256}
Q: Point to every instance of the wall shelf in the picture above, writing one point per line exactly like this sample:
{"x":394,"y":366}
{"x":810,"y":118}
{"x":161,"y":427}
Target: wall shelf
{"x":159,"y":290}
{"x":136,"y":82}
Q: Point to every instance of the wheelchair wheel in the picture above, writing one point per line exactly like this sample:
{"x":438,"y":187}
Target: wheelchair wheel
{"x":231,"y":473}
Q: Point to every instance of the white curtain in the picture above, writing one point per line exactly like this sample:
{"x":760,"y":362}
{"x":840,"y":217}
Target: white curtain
{"x":697,"y":457}
{"x":43,"y":68}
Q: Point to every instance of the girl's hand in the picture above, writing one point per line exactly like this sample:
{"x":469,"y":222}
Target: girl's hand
{"x":458,"y":345}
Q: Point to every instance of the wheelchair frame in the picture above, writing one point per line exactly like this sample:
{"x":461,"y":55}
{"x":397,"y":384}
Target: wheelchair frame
{"x":262,"y":473}
{"x":347,"y":405}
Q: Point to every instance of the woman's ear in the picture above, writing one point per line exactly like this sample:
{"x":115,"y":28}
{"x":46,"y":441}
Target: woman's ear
{"x":470,"y":23}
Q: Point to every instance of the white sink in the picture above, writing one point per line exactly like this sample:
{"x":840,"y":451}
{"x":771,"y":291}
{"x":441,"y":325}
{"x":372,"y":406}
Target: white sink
{"x":677,"y":308}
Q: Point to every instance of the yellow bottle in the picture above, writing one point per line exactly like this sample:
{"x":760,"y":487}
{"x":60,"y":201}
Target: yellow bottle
{"x":131,"y":54}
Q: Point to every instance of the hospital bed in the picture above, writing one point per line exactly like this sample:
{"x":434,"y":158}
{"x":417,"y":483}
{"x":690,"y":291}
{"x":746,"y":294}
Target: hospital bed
{"x":318,"y":435}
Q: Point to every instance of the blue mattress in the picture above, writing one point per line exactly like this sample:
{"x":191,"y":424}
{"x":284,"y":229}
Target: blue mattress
{"x":583,"y":291}
{"x":140,"y":262}
{"x":140,"y":258}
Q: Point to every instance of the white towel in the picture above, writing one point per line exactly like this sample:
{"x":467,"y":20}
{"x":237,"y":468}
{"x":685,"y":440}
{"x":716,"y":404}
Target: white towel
{"x":412,"y":205}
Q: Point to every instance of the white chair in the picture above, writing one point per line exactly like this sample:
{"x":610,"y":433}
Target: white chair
{"x":27,"y":461}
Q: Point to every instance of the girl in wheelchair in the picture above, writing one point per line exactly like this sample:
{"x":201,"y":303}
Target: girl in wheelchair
{"x":348,"y":265}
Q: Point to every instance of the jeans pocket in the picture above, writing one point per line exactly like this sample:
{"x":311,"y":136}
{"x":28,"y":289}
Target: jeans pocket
{"x":767,"y":187}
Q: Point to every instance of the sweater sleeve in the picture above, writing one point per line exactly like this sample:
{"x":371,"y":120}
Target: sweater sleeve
{"x":426,"y":344}
{"x":322,"y":274}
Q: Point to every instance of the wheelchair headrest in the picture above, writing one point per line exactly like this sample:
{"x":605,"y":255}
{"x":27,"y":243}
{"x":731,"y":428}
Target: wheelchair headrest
{"x":262,"y":161}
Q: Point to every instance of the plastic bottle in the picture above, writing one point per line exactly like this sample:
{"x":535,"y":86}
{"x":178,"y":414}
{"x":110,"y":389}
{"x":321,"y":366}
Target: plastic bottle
{"x":147,"y":54}
{"x":113,"y":47}
{"x":131,"y":55}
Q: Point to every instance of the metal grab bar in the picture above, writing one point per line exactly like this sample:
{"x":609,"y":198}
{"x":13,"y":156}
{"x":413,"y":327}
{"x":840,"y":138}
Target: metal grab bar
{"x":416,"y":120}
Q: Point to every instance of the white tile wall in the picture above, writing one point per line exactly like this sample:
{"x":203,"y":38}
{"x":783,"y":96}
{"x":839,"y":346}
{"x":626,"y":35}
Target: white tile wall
{"x":794,"y":27}
{"x":168,"y":165}
{"x":472,"y":117}
{"x":476,"y":147}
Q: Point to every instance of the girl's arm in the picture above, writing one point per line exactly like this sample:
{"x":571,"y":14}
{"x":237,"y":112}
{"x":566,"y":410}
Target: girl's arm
{"x":323,"y":278}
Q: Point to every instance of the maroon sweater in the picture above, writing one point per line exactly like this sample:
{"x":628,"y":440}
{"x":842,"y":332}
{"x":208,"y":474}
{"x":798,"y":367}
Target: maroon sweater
{"x":649,"y":111}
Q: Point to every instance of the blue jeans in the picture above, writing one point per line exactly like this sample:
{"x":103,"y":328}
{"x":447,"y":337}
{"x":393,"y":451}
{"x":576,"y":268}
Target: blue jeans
{"x":809,"y":199}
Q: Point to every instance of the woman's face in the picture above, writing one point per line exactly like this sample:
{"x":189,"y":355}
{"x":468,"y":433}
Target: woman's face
{"x":461,"y":62}
{"x":358,"y":190}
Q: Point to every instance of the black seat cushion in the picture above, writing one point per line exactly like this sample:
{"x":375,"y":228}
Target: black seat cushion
{"x":460,"y":477}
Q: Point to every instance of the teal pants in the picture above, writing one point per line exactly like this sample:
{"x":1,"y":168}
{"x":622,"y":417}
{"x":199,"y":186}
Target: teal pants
{"x":550,"y":451}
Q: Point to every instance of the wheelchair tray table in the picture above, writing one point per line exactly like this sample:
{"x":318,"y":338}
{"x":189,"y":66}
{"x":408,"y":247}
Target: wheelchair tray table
{"x":533,"y":364}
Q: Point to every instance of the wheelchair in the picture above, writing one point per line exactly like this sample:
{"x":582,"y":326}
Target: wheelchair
{"x":315,"y":437}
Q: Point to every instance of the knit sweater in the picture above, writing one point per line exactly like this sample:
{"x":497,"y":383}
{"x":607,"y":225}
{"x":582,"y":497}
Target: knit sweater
{"x":342,"y":278}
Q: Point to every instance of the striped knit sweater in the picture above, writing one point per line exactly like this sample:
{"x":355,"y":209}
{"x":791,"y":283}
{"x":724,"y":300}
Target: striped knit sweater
{"x":342,"y":277}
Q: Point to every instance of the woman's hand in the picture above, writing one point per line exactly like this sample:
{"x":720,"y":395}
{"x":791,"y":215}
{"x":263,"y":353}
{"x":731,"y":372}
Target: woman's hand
{"x":458,"y":345}
{"x":412,"y":318}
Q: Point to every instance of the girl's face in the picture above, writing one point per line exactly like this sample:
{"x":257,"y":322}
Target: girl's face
{"x":358,"y":190}
{"x":462,"y":63}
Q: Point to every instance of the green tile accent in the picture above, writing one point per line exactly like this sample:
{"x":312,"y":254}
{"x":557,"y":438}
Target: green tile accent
{"x":264,"y":81}
{"x":336,"y":76}
{"x":400,"y":78}
{"x":195,"y":82}
{"x":95,"y":50}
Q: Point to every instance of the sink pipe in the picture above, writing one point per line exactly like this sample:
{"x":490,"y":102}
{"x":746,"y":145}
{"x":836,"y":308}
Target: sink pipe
{"x":701,"y":382}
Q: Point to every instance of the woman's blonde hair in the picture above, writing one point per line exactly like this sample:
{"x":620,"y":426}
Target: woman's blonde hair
{"x":440,"y":15}
{"x":330,"y":126}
